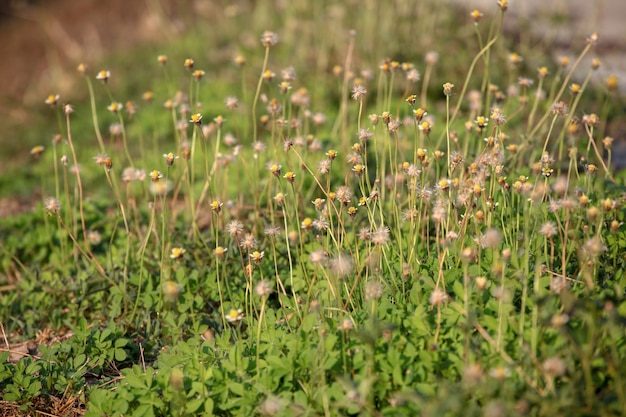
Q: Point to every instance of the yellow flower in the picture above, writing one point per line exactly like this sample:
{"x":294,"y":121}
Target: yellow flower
{"x":216,"y":206}
{"x":196,"y":119}
{"x":103,"y":76}
{"x":155,"y":175}
{"x":115,"y":107}
{"x":257,"y":256}
{"x":37,"y":151}
{"x":52,"y":100}
{"x":290,"y":177}
{"x":177,"y":253}
{"x":234,"y":316}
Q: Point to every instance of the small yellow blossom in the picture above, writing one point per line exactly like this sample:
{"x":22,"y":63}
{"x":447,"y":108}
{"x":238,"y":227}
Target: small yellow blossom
{"x":196,"y":119}
{"x":216,"y":206}
{"x":234,"y":316}
{"x":257,"y":256}
{"x":177,"y":253}
{"x":52,"y":100}
{"x":155,"y":175}
{"x":103,"y":76}
{"x":37,"y":151}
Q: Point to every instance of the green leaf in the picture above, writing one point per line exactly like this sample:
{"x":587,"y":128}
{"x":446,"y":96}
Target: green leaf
{"x":120,"y":355}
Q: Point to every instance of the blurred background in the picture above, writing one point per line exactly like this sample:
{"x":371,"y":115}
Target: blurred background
{"x":42,"y":42}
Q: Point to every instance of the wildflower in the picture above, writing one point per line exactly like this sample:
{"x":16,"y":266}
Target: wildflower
{"x":318,"y":203}
{"x":234,"y":228}
{"x":320,"y":224}
{"x":52,"y":205}
{"x":491,"y":239}
{"x":318,"y":257}
{"x":279,"y":198}
{"x":344,"y":195}
{"x":68,"y":109}
{"x":548,"y":229}
{"x":52,"y":100}
{"x":431,"y":57}
{"x":216,"y":206}
{"x":257,"y":256}
{"x":592,"y":248}
{"x":503,"y":4}
{"x":352,"y":211}
{"x":103,"y":76}
{"x":373,"y":119}
{"x":448,"y":89}
{"x":198,"y":74}
{"x":147,"y":96}
{"x":171,"y":290}
{"x":220,"y":252}
{"x":554,"y":366}
{"x":234,"y":316}
{"x":595,"y":63}
{"x":307,"y":223}
{"x":94,"y":237}
{"x":341,"y":265}
{"x":64,"y":159}
{"x":476,"y":15}
{"x":413,"y":75}
{"x":347,"y":325}
{"x":559,"y":108}
{"x":269,"y":39}
{"x":196,"y":119}
{"x":373,"y":290}
{"x":271,"y":406}
{"x":155,"y":176}
{"x":424,"y":127}
{"x":177,"y":253}
{"x":575,"y":89}
{"x":525,"y":82}
{"x":354,"y":158}
{"x":438,"y":297}
{"x":500,"y":373}
{"x":559,"y":320}
{"x":481,"y":282}
{"x":248,"y":242}
{"x":37,"y":151}
{"x":240,"y":60}
{"x":100,"y":159}
{"x":593,"y":38}
{"x":169,"y":158}
{"x":275,"y":169}
{"x":115,"y":107}
{"x":162,"y":59}
{"x":515,"y":58}
{"x":188,"y":64}
{"x":161,"y":187}
{"x":231,"y":103}
{"x":290,"y":177}
{"x":358,"y":92}
{"x":481,"y":122}
{"x":381,"y":236}
{"x":82,"y":68}
{"x":271,"y":231}
{"x":358,"y":169}
{"x":263,"y":288}
{"x":612,"y":83}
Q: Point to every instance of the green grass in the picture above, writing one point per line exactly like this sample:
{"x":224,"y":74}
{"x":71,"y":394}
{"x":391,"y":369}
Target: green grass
{"x":383,"y":262}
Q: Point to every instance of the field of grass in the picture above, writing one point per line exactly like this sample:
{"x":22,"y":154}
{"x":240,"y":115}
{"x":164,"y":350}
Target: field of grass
{"x":301,"y":209}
